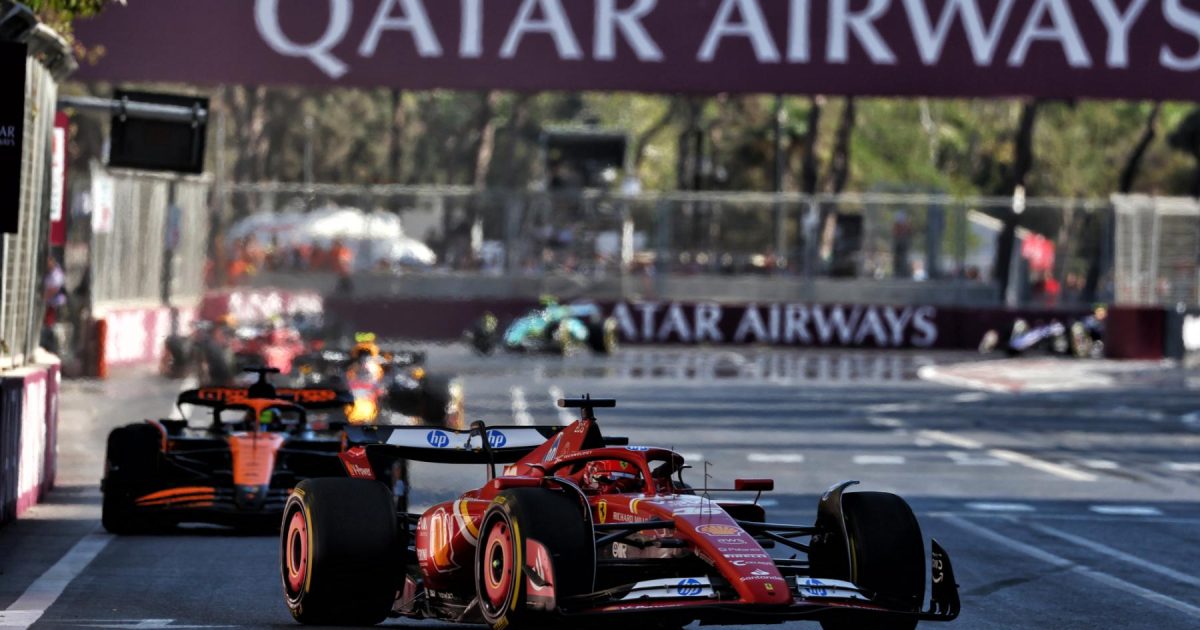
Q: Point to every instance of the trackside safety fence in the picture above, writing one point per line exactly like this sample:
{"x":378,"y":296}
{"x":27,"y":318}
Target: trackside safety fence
{"x":29,"y":378}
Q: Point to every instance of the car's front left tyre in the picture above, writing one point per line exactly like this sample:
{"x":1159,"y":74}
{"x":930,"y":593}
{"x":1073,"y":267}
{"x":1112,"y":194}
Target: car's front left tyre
{"x":340,"y":552}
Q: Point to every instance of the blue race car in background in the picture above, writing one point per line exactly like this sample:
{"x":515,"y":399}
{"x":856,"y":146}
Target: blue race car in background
{"x":552,"y":328}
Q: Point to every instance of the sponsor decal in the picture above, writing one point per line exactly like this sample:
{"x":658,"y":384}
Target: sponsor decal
{"x":731,"y":541}
{"x":437,"y":439}
{"x":770,"y":587}
{"x":602,"y":511}
{"x":760,"y":572}
{"x":813,"y":587}
{"x":496,"y":439}
{"x":788,"y":324}
{"x":357,"y":464}
{"x":751,"y":563}
{"x":688,"y":587}
{"x":633,"y":505}
{"x":553,"y":452}
{"x":719,"y":530}
{"x":751,"y":556}
{"x":637,"y":449}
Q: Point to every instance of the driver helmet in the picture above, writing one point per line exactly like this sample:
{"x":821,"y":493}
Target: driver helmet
{"x":364,"y":347}
{"x":547,"y":300}
{"x":610,"y":476}
{"x":270,"y":416}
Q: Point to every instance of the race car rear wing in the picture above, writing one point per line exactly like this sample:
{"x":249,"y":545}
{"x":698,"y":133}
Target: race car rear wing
{"x":309,"y":398}
{"x":504,"y":444}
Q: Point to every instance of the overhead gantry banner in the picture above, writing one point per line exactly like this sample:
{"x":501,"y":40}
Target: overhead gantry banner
{"x":966,"y":48}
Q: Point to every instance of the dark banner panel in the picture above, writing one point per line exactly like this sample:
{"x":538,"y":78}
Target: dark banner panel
{"x":795,"y":325}
{"x":12,"y":132}
{"x":1050,"y":48}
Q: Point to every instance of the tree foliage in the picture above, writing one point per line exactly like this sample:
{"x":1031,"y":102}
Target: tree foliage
{"x":962,"y":147}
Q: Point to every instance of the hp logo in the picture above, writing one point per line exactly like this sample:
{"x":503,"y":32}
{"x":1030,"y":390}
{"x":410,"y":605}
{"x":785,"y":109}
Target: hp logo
{"x":688,"y":587}
{"x":496,"y":439}
{"x":438,"y":439}
{"x":815,"y":588}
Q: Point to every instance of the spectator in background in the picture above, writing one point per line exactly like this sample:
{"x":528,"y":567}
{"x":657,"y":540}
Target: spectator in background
{"x":342,"y":259}
{"x":54,"y":291}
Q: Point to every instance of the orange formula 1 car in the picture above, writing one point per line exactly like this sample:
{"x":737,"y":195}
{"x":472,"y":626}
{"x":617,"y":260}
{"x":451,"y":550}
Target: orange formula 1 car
{"x":584,"y":531}
{"x":238,"y":469}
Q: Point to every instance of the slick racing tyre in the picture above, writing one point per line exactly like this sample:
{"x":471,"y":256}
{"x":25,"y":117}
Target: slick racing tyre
{"x":519,"y":522}
{"x":888,"y":556}
{"x":340,"y":552}
{"x":131,"y":465}
{"x":602,"y":336}
{"x":439,"y":404}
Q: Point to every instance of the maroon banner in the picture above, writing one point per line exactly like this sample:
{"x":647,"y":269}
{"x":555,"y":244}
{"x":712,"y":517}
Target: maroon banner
{"x":1052,"y":48}
{"x":797,"y":325}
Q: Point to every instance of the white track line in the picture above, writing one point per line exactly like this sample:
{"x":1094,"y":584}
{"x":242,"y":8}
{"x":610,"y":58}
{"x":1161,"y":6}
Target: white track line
{"x":950,"y":439}
{"x":882,"y":421}
{"x":1183,"y":466}
{"x":1001,"y":507}
{"x":1058,"y":470}
{"x":1060,"y":562}
{"x":45,"y":590}
{"x":1125,"y":510}
{"x":1100,"y":464}
{"x":878,"y":460}
{"x":520,"y":408}
{"x":775,"y":458}
{"x":692,"y":457}
{"x":963,"y":458}
{"x":1117,"y":554}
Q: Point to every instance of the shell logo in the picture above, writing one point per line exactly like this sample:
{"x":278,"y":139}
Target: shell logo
{"x":719,"y":530}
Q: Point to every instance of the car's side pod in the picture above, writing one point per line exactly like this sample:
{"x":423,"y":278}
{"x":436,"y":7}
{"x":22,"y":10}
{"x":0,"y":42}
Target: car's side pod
{"x":831,"y":555}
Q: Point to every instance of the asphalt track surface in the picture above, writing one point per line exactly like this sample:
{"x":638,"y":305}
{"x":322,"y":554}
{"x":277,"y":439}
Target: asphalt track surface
{"x":1060,"y":509}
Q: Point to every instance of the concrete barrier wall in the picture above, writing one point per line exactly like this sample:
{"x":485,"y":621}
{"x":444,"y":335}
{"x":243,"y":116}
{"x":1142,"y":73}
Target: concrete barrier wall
{"x":135,"y":335}
{"x":28,"y":437}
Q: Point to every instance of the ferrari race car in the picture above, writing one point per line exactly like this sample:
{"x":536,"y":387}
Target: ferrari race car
{"x":384,"y":380}
{"x":552,"y":328}
{"x":217,"y":351}
{"x":238,"y":470}
{"x":1083,"y":338}
{"x":580,"y":529}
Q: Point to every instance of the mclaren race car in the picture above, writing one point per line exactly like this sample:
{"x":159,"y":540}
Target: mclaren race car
{"x":384,"y":381}
{"x":579,"y":529}
{"x":237,"y":470}
{"x":552,"y":328}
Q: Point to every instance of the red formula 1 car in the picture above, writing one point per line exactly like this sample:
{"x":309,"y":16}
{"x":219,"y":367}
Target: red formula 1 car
{"x":582,"y":530}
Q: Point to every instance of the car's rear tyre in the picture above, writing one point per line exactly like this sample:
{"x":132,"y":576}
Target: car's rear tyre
{"x":439,"y":403}
{"x":602,"y":336}
{"x":888,"y":556}
{"x":340,"y":552}
{"x":550,"y":517}
{"x":131,"y":466}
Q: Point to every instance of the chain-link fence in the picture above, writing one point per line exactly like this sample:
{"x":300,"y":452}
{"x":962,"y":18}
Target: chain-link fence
{"x":1062,"y":247}
{"x":150,"y":245}
{"x":1157,"y":250}
{"x":24,"y":253}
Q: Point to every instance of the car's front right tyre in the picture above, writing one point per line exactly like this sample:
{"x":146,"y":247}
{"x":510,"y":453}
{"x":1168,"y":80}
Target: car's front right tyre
{"x":340,"y":552}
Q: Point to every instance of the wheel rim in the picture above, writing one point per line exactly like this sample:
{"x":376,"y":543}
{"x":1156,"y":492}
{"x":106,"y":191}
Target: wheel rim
{"x":498,"y":565}
{"x":296,"y":552}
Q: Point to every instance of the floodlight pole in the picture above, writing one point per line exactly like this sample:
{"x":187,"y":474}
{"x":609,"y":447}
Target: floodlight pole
{"x":133,"y":109}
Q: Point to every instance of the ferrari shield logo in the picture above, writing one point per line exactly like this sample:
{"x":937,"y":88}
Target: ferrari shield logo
{"x":602,"y":511}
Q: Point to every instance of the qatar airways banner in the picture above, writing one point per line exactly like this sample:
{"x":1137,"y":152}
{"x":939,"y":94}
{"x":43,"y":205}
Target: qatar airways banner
{"x":1051,"y":48}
